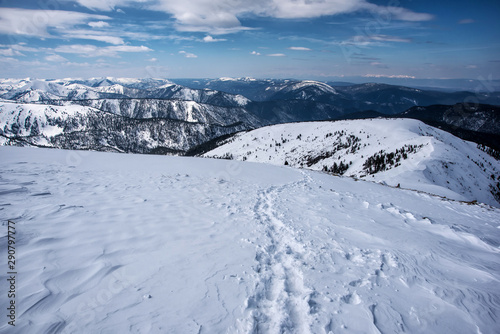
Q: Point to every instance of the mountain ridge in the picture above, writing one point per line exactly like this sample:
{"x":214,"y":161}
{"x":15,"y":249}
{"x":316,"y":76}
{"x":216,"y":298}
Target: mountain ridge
{"x":285,"y":101}
{"x":412,"y":155}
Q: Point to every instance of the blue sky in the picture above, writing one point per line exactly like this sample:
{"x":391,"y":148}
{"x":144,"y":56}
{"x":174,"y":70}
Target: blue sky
{"x":313,"y":39}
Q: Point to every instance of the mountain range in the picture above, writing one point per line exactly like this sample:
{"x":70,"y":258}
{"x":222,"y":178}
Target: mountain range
{"x":384,"y":98}
{"x":158,"y":115}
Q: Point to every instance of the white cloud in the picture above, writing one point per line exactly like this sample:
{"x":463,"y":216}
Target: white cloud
{"x":23,"y":64}
{"x":214,"y":16}
{"x":19,"y":47}
{"x":255,"y":53}
{"x":378,"y":64}
{"x":299,"y":48}
{"x":94,"y":35}
{"x":105,"y":5}
{"x":187,"y":54}
{"x":56,"y":58}
{"x":94,"y":51}
{"x":23,"y":47}
{"x":373,"y":40}
{"x":276,"y":55}
{"x":99,"y":24}
{"x":153,"y":60}
{"x":222,"y":16}
{"x":210,"y":39}
{"x":128,"y":48}
{"x":71,"y":65}
{"x":390,"y":13}
{"x":87,"y":50}
{"x":8,"y":60}
{"x":290,"y":9}
{"x":37,"y":22}
{"x":10,"y":52}
{"x":178,"y":38}
{"x":386,"y":38}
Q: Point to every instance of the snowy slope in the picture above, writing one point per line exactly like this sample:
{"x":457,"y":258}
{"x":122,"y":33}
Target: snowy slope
{"x":305,"y":90}
{"x":38,"y":120}
{"x":189,"y":111}
{"x":115,"y":243}
{"x":83,"y":127}
{"x":401,"y":151}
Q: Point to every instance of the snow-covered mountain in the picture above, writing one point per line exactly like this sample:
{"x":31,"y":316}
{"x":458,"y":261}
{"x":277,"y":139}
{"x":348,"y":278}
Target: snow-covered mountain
{"x":36,"y":90}
{"x":118,"y":243}
{"x":39,"y":121}
{"x":384,"y":98}
{"x":45,"y":91}
{"x":129,"y":115}
{"x":277,"y":101}
{"x":83,"y":127}
{"x":398,"y":152}
{"x":207,"y":96}
{"x":305,"y":90}
{"x":253,"y":89}
{"x":189,"y":111}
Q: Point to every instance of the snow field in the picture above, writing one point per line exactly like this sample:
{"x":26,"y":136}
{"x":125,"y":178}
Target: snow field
{"x":151,"y":244}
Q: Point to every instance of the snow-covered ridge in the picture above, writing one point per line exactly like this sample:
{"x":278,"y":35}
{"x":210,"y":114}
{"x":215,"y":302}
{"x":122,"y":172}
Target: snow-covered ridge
{"x":131,"y":125}
{"x":400,"y":152}
{"x":46,"y":90}
{"x":244,"y":79}
{"x":310,"y":84}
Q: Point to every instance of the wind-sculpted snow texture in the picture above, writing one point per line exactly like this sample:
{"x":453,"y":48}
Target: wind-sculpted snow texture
{"x":152,"y":244}
{"x":400,"y":152}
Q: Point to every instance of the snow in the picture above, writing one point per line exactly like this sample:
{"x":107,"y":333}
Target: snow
{"x":154,"y":244}
{"x":442,"y":164}
{"x":37,"y":115}
{"x":241,"y":100}
{"x":189,"y":111}
{"x":244,"y":79}
{"x":35,"y":90}
{"x":309,"y":83}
